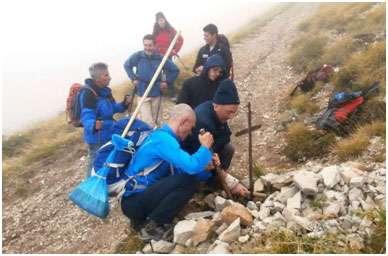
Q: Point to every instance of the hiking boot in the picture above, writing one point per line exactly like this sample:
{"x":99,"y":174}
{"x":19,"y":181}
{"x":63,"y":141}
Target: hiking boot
{"x":155,"y":231}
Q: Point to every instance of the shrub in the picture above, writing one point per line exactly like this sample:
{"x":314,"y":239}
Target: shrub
{"x":363,"y":69}
{"x":339,"y":51}
{"x":302,"y":143}
{"x":307,"y":51}
{"x":303,"y":104}
{"x":358,"y":142}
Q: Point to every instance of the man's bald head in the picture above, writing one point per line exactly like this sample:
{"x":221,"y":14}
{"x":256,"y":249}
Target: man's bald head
{"x":182,"y":120}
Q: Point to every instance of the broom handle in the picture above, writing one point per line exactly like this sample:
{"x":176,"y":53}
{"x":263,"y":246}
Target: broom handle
{"x":132,"y":119}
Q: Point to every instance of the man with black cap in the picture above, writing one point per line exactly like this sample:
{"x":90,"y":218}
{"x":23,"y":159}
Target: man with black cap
{"x":198,"y":89}
{"x":213,"y":116}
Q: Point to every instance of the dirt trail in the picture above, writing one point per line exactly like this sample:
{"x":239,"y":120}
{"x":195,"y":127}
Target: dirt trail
{"x":46,"y":221}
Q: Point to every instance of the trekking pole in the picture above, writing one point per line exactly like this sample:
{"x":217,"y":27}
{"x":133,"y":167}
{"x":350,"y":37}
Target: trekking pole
{"x":129,"y":109}
{"x":132,"y":119}
{"x":158,"y":110}
{"x":250,"y":168}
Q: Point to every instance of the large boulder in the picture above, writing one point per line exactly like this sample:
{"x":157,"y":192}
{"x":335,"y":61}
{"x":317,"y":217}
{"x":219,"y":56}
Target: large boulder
{"x":307,"y":182}
{"x":232,"y":232}
{"x":183,"y":231}
{"x":234,"y":211}
{"x":331,"y":176}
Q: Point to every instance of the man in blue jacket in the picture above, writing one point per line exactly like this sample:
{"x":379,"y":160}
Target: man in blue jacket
{"x":146,"y":62}
{"x":162,"y":175}
{"x":199,"y":89}
{"x":97,"y":109}
{"x":213,"y":116}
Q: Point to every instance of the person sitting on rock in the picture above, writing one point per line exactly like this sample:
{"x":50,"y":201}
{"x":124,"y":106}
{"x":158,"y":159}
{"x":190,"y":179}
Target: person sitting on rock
{"x":199,"y":89}
{"x":213,"y":116}
{"x":163,"y":175}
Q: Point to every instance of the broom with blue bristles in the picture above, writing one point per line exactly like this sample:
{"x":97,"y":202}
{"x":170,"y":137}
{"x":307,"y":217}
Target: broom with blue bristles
{"x":91,"y":195}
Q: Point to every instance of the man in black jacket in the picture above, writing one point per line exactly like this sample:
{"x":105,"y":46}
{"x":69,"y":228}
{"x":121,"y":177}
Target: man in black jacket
{"x":213,"y":116}
{"x":213,"y":46}
{"x":199,"y":89}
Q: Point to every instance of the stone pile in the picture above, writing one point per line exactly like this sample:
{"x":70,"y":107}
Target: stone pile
{"x":312,"y":201}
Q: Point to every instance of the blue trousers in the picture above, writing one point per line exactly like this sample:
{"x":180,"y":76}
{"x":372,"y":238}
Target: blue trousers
{"x":160,"y":202}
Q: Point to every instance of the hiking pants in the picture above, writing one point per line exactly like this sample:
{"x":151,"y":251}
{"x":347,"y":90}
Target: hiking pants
{"x":160,"y":202}
{"x":149,"y":109}
{"x":92,"y":154}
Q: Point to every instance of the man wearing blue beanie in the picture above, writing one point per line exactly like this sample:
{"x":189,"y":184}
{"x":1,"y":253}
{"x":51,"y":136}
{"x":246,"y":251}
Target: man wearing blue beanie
{"x":213,"y":116}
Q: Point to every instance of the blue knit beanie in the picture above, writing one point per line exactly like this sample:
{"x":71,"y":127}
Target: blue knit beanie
{"x":226,"y":93}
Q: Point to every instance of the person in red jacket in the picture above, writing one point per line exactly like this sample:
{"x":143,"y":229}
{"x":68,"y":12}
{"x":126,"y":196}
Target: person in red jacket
{"x":163,"y":34}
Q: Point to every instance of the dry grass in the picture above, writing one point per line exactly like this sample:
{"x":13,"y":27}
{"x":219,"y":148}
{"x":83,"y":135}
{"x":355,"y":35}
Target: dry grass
{"x":358,"y":142}
{"x":303,"y":104}
{"x":303,"y":143}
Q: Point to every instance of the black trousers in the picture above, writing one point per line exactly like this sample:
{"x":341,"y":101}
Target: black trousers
{"x":160,"y":202}
{"x":226,"y":156}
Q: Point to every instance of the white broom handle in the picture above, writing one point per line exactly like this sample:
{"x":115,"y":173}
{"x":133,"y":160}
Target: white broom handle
{"x":132,"y":119}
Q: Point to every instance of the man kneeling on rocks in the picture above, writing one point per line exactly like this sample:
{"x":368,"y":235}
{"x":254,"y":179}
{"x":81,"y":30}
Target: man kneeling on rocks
{"x":164,"y":175}
{"x":213,"y":116}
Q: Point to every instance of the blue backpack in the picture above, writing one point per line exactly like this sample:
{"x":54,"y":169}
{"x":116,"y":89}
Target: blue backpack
{"x":138,"y":132}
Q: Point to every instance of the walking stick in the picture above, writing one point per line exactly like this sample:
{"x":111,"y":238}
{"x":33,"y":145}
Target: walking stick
{"x":250,"y":168}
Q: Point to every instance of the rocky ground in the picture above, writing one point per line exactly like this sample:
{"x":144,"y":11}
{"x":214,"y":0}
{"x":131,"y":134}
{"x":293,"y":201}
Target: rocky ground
{"x":43,"y":220}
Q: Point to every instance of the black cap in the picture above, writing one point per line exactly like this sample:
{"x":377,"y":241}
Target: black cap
{"x":226,"y":93}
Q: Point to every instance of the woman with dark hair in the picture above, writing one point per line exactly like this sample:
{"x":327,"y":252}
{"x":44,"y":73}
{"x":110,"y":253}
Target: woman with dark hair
{"x":163,"y":34}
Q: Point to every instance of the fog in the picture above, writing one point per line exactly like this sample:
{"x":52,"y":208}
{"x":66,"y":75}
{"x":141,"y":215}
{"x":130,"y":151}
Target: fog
{"x":48,"y":45}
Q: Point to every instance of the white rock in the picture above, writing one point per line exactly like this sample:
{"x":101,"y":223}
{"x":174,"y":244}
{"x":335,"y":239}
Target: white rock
{"x":258,"y":186}
{"x":332,"y":195}
{"x":258,"y":226}
{"x":220,"y":203}
{"x":183,"y":230}
{"x":275,"y":221}
{"x":332,"y":210}
{"x":349,"y":172}
{"x":355,"y":194}
{"x":232,"y":232}
{"x":147,"y":249}
{"x":254,"y":213}
{"x":295,"y":201}
{"x":264,"y":212}
{"x":243,"y":239}
{"x":162,"y":246}
{"x":198,"y":215}
{"x":307,"y":182}
{"x":219,"y":247}
{"x":278,"y":207}
{"x":285,"y":193}
{"x":357,"y":181}
{"x":331,"y":176}
{"x":251,"y":205}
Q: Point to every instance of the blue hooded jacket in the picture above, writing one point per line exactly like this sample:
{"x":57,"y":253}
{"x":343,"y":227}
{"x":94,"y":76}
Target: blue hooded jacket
{"x":199,"y":89}
{"x":162,"y":151}
{"x":93,"y":108}
{"x":145,"y":69}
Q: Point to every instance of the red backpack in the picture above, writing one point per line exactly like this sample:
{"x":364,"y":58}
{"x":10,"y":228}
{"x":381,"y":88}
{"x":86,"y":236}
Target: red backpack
{"x":73,"y":104}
